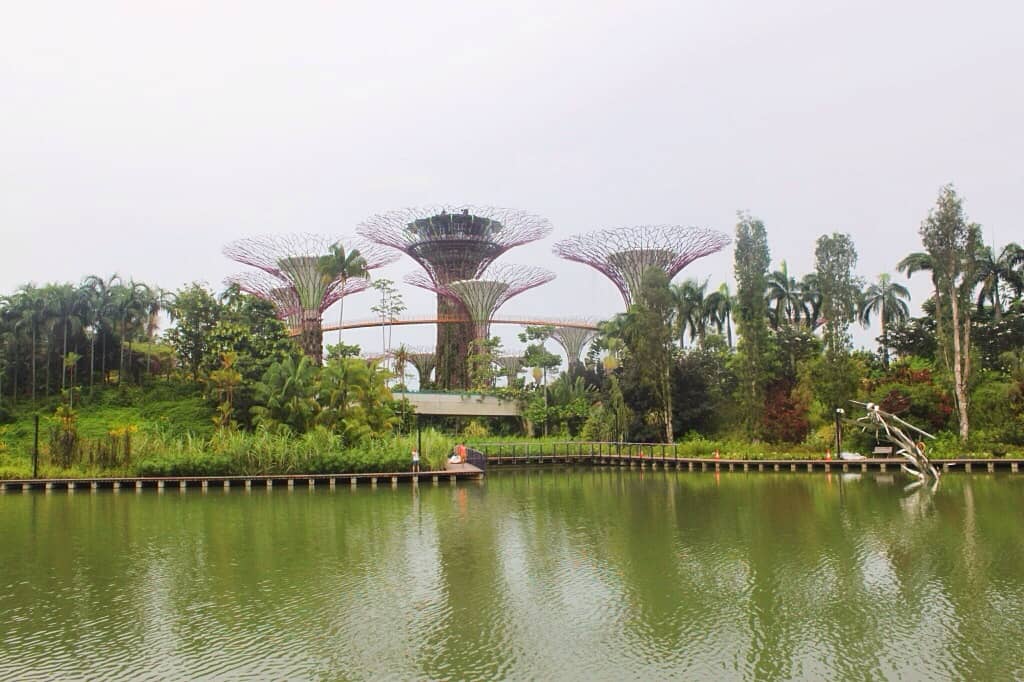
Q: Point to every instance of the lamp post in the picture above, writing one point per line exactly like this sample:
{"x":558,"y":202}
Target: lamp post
{"x":839,"y":430}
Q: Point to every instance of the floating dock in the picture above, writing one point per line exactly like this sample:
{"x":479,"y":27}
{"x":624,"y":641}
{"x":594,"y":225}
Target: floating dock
{"x":463,"y":472}
{"x":656,"y":461}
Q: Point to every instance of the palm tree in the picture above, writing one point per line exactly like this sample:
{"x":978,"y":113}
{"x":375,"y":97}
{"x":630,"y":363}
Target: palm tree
{"x":993,"y":272}
{"x":718,"y":310}
{"x":67,"y":305}
{"x":689,"y":299}
{"x":785,"y":298}
{"x":888,"y":300}
{"x":102,"y":303}
{"x":339,"y":266}
{"x":31,"y":303}
{"x":810,"y":292}
{"x":129,"y":302}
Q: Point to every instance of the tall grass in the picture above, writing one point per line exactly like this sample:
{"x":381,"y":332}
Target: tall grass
{"x":264,"y":452}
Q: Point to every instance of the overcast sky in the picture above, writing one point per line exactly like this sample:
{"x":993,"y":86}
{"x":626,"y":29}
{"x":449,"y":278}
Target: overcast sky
{"x":139,"y":137}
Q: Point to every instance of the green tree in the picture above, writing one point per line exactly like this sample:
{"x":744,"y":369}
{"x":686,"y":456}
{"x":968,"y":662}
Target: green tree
{"x":648,"y":335}
{"x":194,"y":313}
{"x":751,"y":313}
{"x":994,"y":272}
{"x":390,"y":307}
{"x":719,"y":311}
{"x":691,"y":310}
{"x":888,"y":301}
{"x":341,"y":266}
{"x":354,"y":400}
{"x":835,"y":379}
{"x":786,"y":300}
{"x":286,"y":395}
{"x":953,"y":244}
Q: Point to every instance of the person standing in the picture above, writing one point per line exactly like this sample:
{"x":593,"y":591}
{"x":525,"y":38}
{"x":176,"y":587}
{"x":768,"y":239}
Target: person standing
{"x":415,"y":460}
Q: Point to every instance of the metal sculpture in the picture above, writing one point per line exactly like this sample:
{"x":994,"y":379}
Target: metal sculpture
{"x":573,"y":340}
{"x":900,"y":434}
{"x":453,"y":244}
{"x":294,"y":278}
{"x":624,"y":254}
{"x":480,"y":298}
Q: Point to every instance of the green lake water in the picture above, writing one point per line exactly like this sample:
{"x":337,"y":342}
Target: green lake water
{"x":543,"y":574}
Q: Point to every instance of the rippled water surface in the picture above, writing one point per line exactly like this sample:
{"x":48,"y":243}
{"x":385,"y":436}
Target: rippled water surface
{"x":544,"y":574}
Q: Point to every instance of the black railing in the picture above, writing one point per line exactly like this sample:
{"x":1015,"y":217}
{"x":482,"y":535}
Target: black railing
{"x":476,"y":458}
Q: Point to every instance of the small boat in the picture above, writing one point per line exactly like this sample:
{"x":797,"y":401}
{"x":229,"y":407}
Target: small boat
{"x":851,"y":456}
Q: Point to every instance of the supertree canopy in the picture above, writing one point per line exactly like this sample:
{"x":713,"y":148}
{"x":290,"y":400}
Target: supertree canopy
{"x":453,"y":244}
{"x":511,"y":366}
{"x":300,"y":277}
{"x":424,"y":361}
{"x":480,"y":298}
{"x":624,"y":254}
{"x":573,"y":340}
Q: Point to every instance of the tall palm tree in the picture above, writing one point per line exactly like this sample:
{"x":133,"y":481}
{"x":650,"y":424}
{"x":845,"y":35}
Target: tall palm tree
{"x":690,"y":313}
{"x":810,"y":292}
{"x":718,"y":307}
{"x":785,"y":298}
{"x":887,"y":300}
{"x":993,"y":272}
{"x":341,"y":266}
{"x":104,"y":313}
{"x":67,"y":305}
{"x":32,"y":307}
{"x":130,"y":304}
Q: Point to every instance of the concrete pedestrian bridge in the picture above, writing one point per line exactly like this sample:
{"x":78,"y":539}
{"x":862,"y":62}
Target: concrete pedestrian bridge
{"x":461,"y":404}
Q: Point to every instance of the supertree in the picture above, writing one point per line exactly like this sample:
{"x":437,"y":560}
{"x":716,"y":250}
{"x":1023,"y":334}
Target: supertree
{"x":424,"y":361}
{"x":573,"y":340}
{"x":511,"y":366}
{"x":624,"y":254}
{"x":453,"y":244}
{"x":480,"y":298}
{"x":298,"y":277}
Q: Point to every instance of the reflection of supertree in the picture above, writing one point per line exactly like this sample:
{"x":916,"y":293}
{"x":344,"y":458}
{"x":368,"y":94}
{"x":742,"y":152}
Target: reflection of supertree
{"x":424,"y":361}
{"x":511,"y":366}
{"x":573,"y":340}
{"x":480,"y":298}
{"x":453,"y":244}
{"x":296,"y":276}
{"x":624,"y":254}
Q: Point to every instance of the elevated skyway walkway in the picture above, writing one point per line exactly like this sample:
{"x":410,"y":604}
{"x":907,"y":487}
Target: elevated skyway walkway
{"x":504,"y":319}
{"x":460,"y":404}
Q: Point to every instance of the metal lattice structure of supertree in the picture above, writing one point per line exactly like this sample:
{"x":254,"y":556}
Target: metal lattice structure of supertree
{"x":453,"y":243}
{"x":511,"y":366}
{"x":624,"y":254}
{"x":424,"y":361}
{"x":294,"y":277}
{"x":480,"y":298}
{"x":573,"y":340}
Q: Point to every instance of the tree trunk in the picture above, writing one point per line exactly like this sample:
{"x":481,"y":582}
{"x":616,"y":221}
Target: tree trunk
{"x":32,"y":392}
{"x":63,"y":383}
{"x":885,"y":336}
{"x":959,"y":366}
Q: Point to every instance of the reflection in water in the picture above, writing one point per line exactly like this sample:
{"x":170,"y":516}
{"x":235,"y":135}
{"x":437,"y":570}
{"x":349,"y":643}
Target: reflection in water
{"x":592,"y":574}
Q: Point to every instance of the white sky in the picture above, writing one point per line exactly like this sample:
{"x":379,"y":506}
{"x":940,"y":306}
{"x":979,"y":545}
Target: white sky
{"x":139,"y":137}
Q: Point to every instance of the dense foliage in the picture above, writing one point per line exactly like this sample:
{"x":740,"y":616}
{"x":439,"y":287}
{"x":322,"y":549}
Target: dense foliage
{"x":769,"y":363}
